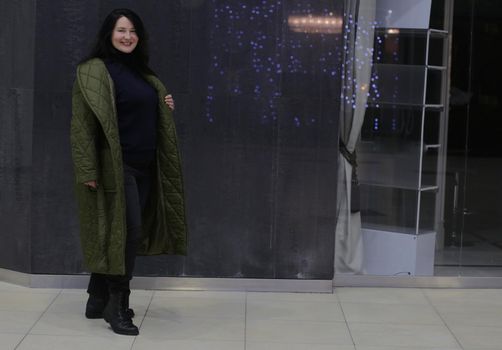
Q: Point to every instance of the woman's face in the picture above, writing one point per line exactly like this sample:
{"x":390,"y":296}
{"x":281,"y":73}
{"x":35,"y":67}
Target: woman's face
{"x":124,"y":37}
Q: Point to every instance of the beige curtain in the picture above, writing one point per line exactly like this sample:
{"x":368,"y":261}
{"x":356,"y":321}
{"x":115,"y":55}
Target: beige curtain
{"x":358,"y":37}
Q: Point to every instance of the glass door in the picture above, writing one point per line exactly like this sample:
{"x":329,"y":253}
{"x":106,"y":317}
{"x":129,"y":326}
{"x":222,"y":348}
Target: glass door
{"x":472,"y":210}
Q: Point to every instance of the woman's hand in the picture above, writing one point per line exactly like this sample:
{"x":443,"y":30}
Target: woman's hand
{"x":92,"y":184}
{"x":169,"y":101}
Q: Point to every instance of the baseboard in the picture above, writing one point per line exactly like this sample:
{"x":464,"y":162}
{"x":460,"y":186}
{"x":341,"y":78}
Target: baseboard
{"x":173,"y":283}
{"x":416,"y":281}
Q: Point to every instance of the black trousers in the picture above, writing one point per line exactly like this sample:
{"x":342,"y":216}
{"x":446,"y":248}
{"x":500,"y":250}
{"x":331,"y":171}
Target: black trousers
{"x":137,"y":185}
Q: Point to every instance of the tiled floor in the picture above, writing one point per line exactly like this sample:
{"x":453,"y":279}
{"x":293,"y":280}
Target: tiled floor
{"x":349,"y":319}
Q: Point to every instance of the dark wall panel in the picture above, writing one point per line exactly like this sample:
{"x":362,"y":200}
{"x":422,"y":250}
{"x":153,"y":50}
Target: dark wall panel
{"x":17,"y":47}
{"x":256,"y":115}
{"x":65,"y":30}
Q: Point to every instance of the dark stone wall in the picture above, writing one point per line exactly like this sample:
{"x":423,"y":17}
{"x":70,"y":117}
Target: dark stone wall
{"x":256,"y":112}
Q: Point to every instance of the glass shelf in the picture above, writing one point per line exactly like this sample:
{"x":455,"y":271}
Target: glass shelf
{"x":409,"y":47}
{"x":404,"y":84}
{"x":395,"y":209}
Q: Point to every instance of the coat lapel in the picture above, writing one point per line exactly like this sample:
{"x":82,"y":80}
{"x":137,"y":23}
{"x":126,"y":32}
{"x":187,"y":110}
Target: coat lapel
{"x":97,"y":88}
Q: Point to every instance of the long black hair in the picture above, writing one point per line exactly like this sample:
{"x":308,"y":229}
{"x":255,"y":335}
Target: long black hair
{"x":103,"y":48}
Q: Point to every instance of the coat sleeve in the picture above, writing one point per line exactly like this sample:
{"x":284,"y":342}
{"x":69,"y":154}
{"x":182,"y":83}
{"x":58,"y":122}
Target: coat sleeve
{"x":83,"y":135}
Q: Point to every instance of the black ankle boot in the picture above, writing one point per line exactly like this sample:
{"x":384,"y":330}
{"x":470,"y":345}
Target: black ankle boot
{"x":115,"y":314}
{"x":129,"y":312}
{"x":95,"y":306}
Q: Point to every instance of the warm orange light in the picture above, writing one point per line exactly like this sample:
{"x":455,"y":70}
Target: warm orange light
{"x":316,"y":24}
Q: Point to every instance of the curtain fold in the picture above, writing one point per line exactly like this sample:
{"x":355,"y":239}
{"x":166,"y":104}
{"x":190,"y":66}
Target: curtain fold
{"x":359,"y":25}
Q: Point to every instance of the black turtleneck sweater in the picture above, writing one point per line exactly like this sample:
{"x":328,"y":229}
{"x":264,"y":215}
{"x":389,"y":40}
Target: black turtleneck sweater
{"x":137,"y":111}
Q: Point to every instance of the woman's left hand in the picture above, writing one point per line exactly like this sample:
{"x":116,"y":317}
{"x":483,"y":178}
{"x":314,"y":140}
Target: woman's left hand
{"x":169,"y":101}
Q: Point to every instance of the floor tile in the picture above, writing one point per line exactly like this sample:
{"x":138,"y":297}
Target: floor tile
{"x":298,"y":332}
{"x":202,"y":307}
{"x":387,"y":313}
{"x":8,"y":287}
{"x":252,"y":345}
{"x":18,"y":321}
{"x":308,"y":297}
{"x":144,"y":343}
{"x":192,"y":328}
{"x":72,"y":324}
{"x":382,"y":295}
{"x":25,"y":301}
{"x":471,"y":315}
{"x":52,"y":342}
{"x":294,"y":310}
{"x":465,"y":296}
{"x":388,"y":335}
{"x":476,"y":338}
{"x":8,"y":341}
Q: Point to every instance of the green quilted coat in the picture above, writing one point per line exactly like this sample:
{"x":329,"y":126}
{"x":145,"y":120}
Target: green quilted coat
{"x":97,"y":156}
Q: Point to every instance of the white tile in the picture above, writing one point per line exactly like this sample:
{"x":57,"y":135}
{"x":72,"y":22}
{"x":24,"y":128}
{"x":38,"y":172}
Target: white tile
{"x":144,"y":343}
{"x":294,"y":310}
{"x":476,"y":338}
{"x":308,"y":297}
{"x":388,"y":313}
{"x":60,"y":342}
{"x":25,"y":301}
{"x":252,"y":345}
{"x":471,"y":315}
{"x":72,"y":324}
{"x":18,"y":321}
{"x":193,"y":328}
{"x":298,"y":332}
{"x":197,"y":307}
{"x":8,"y":287}
{"x":382,"y":295}
{"x":70,"y":303}
{"x":387,"y":335}
{"x":465,"y":296}
{"x":8,"y":341}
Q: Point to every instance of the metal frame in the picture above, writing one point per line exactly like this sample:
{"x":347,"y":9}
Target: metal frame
{"x":443,"y":132}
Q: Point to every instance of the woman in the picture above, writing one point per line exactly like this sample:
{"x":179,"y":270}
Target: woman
{"x":127,"y":167}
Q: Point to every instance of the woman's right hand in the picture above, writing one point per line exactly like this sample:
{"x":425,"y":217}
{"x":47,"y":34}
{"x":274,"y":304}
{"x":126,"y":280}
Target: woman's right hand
{"x":93,"y":184}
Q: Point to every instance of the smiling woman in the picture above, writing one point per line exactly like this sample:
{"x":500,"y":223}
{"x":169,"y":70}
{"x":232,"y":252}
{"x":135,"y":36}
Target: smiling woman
{"x":124,"y":37}
{"x":128,"y":172}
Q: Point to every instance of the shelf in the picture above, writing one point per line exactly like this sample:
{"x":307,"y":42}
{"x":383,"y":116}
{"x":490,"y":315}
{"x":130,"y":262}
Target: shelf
{"x":388,"y":228}
{"x":427,"y":147}
{"x":401,"y":187}
{"x":404,"y":84}
{"x":400,"y":144}
{"x":429,"y":189}
{"x":436,"y":67}
{"x":438,"y":33}
{"x":396,"y":105}
{"x":411,"y":31}
{"x":439,"y":107}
